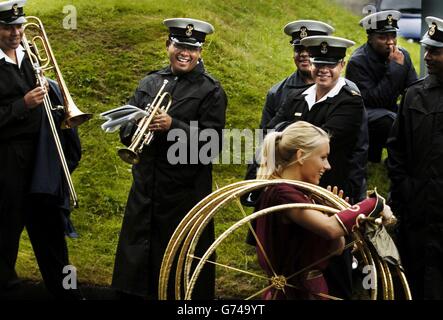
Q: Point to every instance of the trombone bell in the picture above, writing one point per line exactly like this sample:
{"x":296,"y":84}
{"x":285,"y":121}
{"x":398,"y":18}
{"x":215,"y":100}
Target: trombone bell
{"x":74,"y":117}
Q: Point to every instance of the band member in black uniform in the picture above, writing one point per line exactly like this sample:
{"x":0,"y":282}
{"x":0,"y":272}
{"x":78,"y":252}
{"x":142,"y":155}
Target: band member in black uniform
{"x":302,"y":76}
{"x":335,"y":105}
{"x":332,"y":103}
{"x":415,"y":167}
{"x":33,"y":192}
{"x":163,"y":192}
{"x":382,"y":71}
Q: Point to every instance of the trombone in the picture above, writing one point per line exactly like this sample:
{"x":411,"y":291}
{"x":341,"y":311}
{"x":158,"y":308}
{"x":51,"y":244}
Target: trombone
{"x":40,"y":63}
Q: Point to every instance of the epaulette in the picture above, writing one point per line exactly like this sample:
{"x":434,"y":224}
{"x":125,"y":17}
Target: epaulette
{"x":415,"y":82}
{"x":210,"y":77}
{"x":153,"y":71}
{"x":296,"y":93}
{"x":352,"y":88}
{"x":412,"y":84}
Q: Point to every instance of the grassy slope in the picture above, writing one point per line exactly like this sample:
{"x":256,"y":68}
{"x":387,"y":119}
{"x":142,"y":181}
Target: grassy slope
{"x":116,"y":44}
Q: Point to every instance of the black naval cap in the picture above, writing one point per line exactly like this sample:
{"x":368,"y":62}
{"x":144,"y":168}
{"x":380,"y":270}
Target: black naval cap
{"x":381,"y":22}
{"x":188,"y":31}
{"x":434,"y":36}
{"x":326,"y":49}
{"x":300,"y":29}
{"x":11,"y":12}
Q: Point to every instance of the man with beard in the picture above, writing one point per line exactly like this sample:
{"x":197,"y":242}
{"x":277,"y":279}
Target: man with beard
{"x":302,"y":76}
{"x":163,"y":192}
{"x":382,"y":71}
{"x":415,"y":166}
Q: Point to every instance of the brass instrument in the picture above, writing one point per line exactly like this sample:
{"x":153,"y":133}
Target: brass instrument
{"x":143,"y":136}
{"x":42,"y":59}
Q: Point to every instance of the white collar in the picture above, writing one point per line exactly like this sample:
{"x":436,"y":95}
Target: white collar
{"x":312,"y":91}
{"x":19,"y":52}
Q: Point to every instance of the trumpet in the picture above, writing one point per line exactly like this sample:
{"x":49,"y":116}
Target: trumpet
{"x":42,"y":58}
{"x":143,"y":136}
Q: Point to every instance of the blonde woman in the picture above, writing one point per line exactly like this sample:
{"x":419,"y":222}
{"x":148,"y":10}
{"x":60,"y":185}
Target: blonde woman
{"x":297,"y":238}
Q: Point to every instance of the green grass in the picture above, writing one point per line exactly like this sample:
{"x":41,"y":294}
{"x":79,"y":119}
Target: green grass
{"x":117,"y":42}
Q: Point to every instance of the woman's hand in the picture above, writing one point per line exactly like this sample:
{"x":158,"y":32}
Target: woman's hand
{"x":337,"y":192}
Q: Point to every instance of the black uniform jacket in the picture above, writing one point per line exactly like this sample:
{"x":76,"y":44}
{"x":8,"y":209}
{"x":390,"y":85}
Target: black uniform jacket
{"x":341,"y":116}
{"x":17,"y":122}
{"x":20,"y":127}
{"x":162,"y":193}
{"x":278,"y":94}
{"x":415,"y":150}
{"x":381,"y":82}
{"x":415,"y":167}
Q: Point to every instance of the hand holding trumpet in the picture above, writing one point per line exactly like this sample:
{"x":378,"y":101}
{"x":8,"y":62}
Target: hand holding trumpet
{"x":161,"y":122}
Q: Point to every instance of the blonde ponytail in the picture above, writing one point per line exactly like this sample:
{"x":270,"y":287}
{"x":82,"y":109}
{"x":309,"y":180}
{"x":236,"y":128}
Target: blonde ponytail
{"x":279,"y":148}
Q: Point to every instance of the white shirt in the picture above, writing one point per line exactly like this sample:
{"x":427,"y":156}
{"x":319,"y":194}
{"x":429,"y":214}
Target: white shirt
{"x":311,"y":93}
{"x":19,"y":52}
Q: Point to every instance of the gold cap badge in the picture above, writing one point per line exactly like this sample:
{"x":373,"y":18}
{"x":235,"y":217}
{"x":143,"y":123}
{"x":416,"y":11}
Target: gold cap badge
{"x":324,"y":48}
{"x":15,"y":9}
{"x":303,"y":32}
{"x":432,"y":28}
{"x":390,"y":18}
{"x":189,"y":29}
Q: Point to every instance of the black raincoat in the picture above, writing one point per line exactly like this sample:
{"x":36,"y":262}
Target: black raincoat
{"x":278,"y":94}
{"x":343,"y":117}
{"x":162,"y":192}
{"x":415,"y":167}
{"x":380,"y":81}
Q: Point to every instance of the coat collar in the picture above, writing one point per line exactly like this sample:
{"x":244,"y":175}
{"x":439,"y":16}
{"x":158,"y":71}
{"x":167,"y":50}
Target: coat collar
{"x":310,"y":94}
{"x":295,"y":80}
{"x":192,"y":76}
{"x":431,"y":81}
{"x":20,"y":53}
{"x":373,"y":55}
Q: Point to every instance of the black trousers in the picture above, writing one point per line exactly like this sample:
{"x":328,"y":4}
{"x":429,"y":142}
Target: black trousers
{"x":339,"y":275}
{"x":204,"y":288}
{"x":378,"y":134}
{"x":38,"y":213}
{"x":421,"y":251}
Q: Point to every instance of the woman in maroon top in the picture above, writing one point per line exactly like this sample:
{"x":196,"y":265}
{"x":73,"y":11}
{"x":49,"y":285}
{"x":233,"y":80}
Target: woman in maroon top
{"x":296,"y":238}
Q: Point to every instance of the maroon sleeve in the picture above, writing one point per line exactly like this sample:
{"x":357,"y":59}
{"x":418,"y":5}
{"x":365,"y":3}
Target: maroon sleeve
{"x":370,"y":207}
